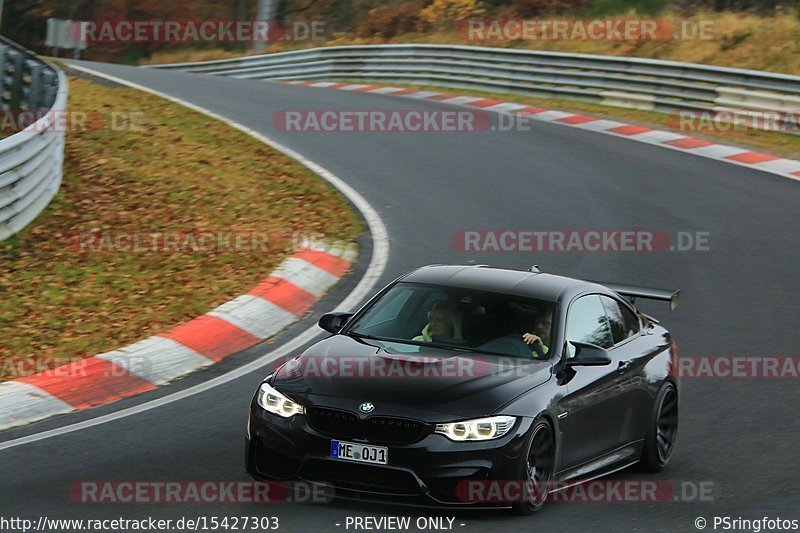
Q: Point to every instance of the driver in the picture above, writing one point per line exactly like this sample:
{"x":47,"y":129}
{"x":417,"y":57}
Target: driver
{"x":540,"y":338}
{"x":444,"y":320}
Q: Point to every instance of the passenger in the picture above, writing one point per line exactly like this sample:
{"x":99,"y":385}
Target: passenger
{"x":444,"y":320}
{"x":540,"y":338}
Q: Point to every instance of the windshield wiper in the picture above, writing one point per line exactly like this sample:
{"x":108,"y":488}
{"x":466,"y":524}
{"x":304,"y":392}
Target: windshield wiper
{"x":363,"y":336}
{"x":412,"y":342}
{"x":448,"y":347}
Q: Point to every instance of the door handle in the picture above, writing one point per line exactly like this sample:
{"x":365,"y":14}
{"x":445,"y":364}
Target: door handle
{"x":623,"y":366}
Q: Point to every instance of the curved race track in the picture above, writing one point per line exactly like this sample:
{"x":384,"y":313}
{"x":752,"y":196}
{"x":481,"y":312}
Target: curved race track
{"x":739,"y":298}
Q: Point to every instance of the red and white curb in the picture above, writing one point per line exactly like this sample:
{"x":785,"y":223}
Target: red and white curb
{"x":278,"y":301}
{"x":788,"y":168}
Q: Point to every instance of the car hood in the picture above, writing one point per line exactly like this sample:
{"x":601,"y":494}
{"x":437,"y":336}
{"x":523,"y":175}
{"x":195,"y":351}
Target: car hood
{"x":451,"y":382}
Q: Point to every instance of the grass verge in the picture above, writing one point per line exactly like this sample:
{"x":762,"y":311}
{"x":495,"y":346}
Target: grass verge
{"x":162,"y":169}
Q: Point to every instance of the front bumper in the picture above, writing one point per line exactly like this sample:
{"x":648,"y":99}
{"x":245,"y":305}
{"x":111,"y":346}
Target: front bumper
{"x":431,"y":469}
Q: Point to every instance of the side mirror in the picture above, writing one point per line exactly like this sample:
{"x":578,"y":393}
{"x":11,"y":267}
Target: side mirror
{"x":588,"y":355}
{"x":333,"y":322}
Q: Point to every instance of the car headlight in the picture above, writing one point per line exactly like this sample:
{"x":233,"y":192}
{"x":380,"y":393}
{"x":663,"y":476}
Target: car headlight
{"x":489,"y":428}
{"x":276,"y":403}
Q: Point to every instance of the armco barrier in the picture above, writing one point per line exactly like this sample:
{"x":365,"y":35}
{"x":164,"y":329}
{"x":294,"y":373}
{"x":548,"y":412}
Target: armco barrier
{"x":663,"y":86}
{"x":30,"y":160}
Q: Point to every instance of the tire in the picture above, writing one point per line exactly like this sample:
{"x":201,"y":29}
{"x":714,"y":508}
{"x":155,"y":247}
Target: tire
{"x":659,"y":443}
{"x":537,"y":467}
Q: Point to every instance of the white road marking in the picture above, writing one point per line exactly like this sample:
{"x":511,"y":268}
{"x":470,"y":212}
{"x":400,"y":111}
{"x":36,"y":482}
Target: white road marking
{"x":23,"y":403}
{"x":257,"y":316}
{"x":305,"y":275}
{"x":157,"y":359}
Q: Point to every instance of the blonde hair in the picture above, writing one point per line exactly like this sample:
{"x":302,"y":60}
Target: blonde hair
{"x":453,"y":315}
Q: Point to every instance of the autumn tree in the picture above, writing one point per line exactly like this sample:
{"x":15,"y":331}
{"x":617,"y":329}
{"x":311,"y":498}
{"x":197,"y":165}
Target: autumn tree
{"x":442,"y":13}
{"x":392,"y":19}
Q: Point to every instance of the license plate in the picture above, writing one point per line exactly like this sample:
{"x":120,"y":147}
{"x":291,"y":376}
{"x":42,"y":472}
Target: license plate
{"x":362,"y":453}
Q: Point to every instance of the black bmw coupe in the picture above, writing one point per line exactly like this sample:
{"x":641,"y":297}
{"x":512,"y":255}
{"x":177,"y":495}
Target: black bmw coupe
{"x":453,"y":378}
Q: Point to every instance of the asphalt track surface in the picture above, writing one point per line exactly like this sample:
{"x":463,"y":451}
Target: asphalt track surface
{"x":739,"y":298}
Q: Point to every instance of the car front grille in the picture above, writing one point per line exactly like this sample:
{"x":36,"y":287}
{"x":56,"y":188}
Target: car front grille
{"x":334,"y":422}
{"x":377,"y":429}
{"x":392,"y":430}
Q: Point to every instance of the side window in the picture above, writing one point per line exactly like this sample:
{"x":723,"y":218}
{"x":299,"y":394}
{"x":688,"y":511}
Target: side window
{"x":587,"y":322}
{"x":623,"y":322}
{"x":631,"y":321}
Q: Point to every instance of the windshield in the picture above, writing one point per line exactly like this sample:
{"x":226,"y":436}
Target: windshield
{"x":464,"y":319}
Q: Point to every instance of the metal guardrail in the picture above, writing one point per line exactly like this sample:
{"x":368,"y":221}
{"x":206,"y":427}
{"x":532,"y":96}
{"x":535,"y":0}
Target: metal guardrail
{"x":664,"y":86}
{"x":30,"y":160}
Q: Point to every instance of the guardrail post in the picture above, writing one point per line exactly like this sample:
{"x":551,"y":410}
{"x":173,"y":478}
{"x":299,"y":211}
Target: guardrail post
{"x":34,"y":92}
{"x":5,"y":96}
{"x":16,"y":62}
{"x":49,"y":87}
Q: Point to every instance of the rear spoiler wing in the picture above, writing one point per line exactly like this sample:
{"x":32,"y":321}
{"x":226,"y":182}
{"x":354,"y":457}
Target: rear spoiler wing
{"x":633,"y":292}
